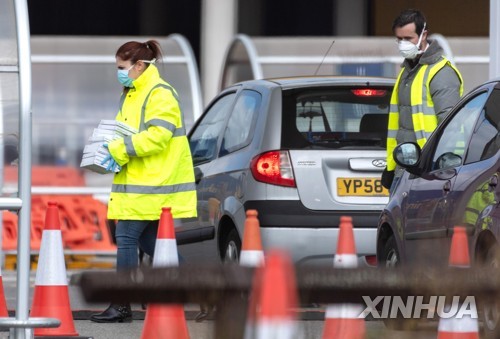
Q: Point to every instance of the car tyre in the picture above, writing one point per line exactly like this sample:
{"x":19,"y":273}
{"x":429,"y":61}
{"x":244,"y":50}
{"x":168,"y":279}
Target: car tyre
{"x":490,"y":310}
{"x":390,"y":254}
{"x":232,"y":247}
{"x":390,"y":258}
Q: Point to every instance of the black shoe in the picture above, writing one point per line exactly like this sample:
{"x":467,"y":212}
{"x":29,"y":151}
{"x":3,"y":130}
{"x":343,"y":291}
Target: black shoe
{"x":202,"y":315}
{"x":205,"y":312}
{"x":114,"y":314}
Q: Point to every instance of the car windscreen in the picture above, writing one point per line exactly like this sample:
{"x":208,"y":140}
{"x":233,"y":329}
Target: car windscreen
{"x":335,"y":117}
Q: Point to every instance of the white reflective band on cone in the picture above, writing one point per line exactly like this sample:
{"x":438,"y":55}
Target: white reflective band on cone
{"x":51,"y":270}
{"x":277,"y":329}
{"x":165,"y":253}
{"x":251,"y":258}
{"x":463,"y":325}
{"x":344,"y":311}
{"x":345,"y":261}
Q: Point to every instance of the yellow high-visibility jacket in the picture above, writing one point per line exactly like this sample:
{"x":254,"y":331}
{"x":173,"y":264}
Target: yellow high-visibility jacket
{"x":422,"y":107}
{"x":477,"y":204}
{"x":157,"y":167}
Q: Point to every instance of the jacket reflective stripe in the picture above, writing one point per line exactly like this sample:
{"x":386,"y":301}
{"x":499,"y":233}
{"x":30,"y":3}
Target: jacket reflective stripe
{"x":156,"y":122}
{"x":142,"y":125}
{"x":162,"y":123}
{"x":426,"y":110}
{"x":140,"y":189}
{"x":129,"y":146}
{"x":392,"y":134}
{"x":176,"y":132}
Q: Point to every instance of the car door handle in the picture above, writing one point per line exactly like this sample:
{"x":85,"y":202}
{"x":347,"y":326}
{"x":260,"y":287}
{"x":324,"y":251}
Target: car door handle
{"x":198,"y":174}
{"x":447,"y":187}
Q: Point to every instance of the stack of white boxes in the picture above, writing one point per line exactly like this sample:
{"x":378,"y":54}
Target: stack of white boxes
{"x":94,"y":152}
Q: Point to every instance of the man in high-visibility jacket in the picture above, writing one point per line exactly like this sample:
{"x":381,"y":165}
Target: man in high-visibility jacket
{"x":427,"y":87}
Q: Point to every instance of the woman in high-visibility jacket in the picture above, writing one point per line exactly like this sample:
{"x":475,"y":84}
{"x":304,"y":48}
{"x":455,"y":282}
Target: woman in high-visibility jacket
{"x":155,"y":164}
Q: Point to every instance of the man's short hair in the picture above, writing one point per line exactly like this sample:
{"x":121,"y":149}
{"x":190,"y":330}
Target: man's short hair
{"x":407,"y":17}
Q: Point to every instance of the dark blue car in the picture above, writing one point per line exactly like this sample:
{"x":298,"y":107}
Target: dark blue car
{"x":452,"y":181}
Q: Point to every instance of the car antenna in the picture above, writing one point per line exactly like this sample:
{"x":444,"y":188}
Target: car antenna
{"x":324,"y":57}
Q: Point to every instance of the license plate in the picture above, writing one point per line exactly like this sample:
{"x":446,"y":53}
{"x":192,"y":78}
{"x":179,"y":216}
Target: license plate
{"x":361,"y":187}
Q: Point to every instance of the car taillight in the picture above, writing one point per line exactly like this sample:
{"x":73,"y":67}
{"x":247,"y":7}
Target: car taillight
{"x":369,"y":92}
{"x":273,"y":168}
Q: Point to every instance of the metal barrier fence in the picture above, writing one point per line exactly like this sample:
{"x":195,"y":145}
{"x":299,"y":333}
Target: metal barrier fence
{"x":228,"y":287}
{"x":266,"y":57}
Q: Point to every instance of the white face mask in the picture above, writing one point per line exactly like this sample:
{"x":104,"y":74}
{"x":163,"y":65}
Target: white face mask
{"x":408,"y":49}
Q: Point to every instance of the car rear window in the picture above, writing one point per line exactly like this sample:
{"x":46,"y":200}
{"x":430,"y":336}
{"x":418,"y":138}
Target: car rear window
{"x":336,"y":117}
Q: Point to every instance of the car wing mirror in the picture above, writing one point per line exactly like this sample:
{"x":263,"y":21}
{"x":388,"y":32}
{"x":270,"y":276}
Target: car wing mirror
{"x":448,"y":160}
{"x":407,"y":154}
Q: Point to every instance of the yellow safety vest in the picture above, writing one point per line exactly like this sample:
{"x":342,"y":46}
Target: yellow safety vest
{"x":157,"y":168}
{"x":477,"y":203}
{"x":423,"y":115}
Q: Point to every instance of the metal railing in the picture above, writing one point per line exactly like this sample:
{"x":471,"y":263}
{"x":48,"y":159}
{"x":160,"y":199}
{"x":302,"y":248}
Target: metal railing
{"x":261,"y":57}
{"x":228,"y":287}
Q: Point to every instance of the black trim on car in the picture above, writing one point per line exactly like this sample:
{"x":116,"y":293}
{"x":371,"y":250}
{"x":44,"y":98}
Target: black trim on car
{"x":441,"y":233}
{"x":292,"y":213}
{"x":195,"y":235}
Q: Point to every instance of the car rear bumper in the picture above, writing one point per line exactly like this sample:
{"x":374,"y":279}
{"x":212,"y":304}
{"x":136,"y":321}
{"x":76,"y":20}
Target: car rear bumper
{"x":309,"y":246}
{"x":311,"y":236}
{"x":293,"y":214}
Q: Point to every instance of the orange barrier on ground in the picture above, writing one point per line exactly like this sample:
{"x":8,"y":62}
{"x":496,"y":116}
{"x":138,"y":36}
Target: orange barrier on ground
{"x":9,"y":234}
{"x":3,"y":301}
{"x":77,"y":225}
{"x":92,"y":214}
{"x":84,"y":222}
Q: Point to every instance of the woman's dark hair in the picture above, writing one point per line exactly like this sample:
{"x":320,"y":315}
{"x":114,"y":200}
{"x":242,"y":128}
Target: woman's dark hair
{"x":407,"y":17}
{"x":135,"y":51}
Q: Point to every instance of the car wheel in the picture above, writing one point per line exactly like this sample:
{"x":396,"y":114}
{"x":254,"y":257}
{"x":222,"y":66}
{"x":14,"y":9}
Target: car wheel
{"x":232,"y":247}
{"x":390,"y":259}
{"x":390,"y":255}
{"x":491,"y":309}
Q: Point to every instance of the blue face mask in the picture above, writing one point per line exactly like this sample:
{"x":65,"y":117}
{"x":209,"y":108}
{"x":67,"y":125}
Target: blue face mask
{"x":123,"y":77}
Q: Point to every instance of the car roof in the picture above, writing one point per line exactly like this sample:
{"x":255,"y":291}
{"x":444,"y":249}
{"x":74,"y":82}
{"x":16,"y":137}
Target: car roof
{"x":308,"y":81}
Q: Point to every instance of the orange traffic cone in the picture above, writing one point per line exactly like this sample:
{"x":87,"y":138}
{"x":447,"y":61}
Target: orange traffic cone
{"x":342,"y":320}
{"x":51,"y":297}
{"x":3,"y":302}
{"x":274,"y":300}
{"x":165,"y":321}
{"x":251,"y":250}
{"x":465,"y":327}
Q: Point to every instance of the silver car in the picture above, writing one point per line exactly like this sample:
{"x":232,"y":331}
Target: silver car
{"x":303,"y":152}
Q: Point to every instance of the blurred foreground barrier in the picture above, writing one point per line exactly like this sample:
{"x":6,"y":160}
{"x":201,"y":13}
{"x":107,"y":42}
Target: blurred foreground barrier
{"x":227,"y":287}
